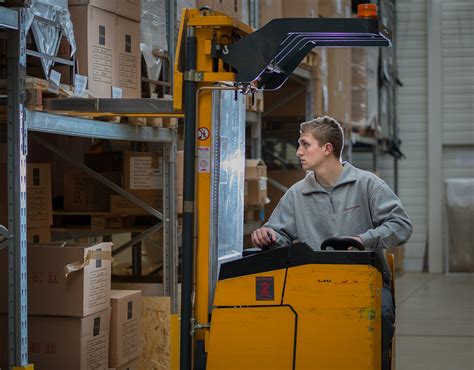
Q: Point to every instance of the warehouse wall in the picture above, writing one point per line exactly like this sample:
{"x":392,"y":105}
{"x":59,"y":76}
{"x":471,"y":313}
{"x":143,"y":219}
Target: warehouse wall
{"x":457,"y":95}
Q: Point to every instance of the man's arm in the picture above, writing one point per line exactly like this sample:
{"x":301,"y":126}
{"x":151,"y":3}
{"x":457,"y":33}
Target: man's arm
{"x":392,"y":226}
{"x":282,"y":222}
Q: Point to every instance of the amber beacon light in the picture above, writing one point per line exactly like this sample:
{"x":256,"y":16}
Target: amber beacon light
{"x":367,"y":11}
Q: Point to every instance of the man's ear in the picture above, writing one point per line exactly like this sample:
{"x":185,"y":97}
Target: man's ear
{"x":328,"y":148}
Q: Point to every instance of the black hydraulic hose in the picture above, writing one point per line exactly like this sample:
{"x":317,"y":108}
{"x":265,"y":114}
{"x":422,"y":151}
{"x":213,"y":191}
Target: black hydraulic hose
{"x":187,"y":253}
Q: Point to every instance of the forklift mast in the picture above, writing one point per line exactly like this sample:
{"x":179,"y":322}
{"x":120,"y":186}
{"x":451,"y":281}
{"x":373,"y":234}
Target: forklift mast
{"x":216,"y":53}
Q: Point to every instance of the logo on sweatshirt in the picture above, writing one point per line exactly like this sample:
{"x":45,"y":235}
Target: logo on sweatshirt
{"x":353,"y":208}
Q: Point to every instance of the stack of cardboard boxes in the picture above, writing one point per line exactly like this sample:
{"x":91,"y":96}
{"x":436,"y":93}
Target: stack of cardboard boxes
{"x":68,"y":306}
{"x":39,"y":203}
{"x":139,"y":173}
{"x":107,"y":34}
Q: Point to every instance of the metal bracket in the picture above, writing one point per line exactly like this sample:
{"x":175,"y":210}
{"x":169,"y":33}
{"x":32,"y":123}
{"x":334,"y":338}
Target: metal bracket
{"x":193,"y":76}
{"x":4,"y":232}
{"x":197,"y":326}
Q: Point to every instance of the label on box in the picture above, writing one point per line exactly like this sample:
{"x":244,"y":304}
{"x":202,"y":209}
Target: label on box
{"x":55,"y":78}
{"x":145,"y":176}
{"x":128,"y":71}
{"x":116,"y":92}
{"x":262,"y":184}
{"x":96,"y":352}
{"x":101,"y":64}
{"x":80,"y":83}
{"x":129,"y":338}
{"x":204,"y":159}
{"x":98,"y":288}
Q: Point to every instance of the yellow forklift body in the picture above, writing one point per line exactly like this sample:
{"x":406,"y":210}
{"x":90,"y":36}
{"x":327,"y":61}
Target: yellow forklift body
{"x":317,"y":316}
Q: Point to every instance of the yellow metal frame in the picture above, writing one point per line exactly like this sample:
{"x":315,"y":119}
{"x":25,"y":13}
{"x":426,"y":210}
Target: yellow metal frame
{"x":208,"y":27}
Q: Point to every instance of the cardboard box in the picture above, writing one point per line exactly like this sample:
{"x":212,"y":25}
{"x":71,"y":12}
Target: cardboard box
{"x":132,"y":365}
{"x":179,"y":172}
{"x":131,"y":9}
{"x":268,"y":10}
{"x":108,"y":5}
{"x":255,"y":186}
{"x":39,"y":206}
{"x":38,"y":235}
{"x":232,"y":8}
{"x":84,"y":292}
{"x":119,"y":204}
{"x":126,"y":8}
{"x":286,"y":178}
{"x":300,"y":9}
{"x":142,"y":171}
{"x":65,"y":342}
{"x":340,"y":84}
{"x":179,"y":204}
{"x":83,"y":193}
{"x":124,"y":326}
{"x":335,"y":8}
{"x":128,"y":57}
{"x":95,"y":30}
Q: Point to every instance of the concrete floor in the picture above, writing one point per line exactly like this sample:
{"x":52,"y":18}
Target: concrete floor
{"x":435,"y":322}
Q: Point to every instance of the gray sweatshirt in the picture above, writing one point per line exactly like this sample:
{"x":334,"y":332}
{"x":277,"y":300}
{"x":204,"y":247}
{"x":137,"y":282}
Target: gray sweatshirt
{"x":359,"y":204}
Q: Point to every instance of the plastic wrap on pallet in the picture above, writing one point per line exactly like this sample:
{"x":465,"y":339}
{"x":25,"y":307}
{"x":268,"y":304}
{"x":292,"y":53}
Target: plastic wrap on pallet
{"x":48,"y":37}
{"x":460,"y":214}
{"x":364,"y":86}
{"x":180,"y":5}
{"x":153,"y":34}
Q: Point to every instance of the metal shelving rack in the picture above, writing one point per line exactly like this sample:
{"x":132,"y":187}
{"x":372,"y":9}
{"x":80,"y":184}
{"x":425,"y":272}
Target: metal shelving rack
{"x":19,"y":122}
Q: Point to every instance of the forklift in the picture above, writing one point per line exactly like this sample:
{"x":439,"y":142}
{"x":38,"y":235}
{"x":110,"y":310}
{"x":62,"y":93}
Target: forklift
{"x":284,"y":308}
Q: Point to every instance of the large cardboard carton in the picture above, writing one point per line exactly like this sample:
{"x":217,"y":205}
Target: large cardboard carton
{"x":300,"y":9}
{"x":255,"y":187}
{"x":126,"y":8}
{"x":124,"y":326}
{"x":83,"y":193}
{"x":121,"y":205}
{"x":335,"y":8}
{"x":131,"y":9}
{"x":108,"y":5}
{"x":232,"y":8}
{"x":38,"y":235}
{"x":142,"y":171}
{"x":340,"y":84}
{"x":268,"y":10}
{"x":132,"y":365}
{"x":128,"y":57}
{"x":39,"y":201}
{"x":71,"y":280}
{"x":95,"y":30}
{"x":64,"y":342}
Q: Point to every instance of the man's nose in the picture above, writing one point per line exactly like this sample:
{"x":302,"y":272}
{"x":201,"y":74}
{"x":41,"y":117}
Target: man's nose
{"x":299,"y":152}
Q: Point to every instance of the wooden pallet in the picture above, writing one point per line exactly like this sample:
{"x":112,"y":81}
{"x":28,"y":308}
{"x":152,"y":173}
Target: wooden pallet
{"x":254,"y":103}
{"x":310,"y":61}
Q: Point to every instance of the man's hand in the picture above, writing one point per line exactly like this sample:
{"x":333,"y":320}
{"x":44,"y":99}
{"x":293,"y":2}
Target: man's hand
{"x":355,"y":238}
{"x":263,"y":237}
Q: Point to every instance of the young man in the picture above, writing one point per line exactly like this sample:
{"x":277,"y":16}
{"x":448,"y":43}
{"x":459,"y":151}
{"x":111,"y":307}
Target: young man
{"x":338,"y":199}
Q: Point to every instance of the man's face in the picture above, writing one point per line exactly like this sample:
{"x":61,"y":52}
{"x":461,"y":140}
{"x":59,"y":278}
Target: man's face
{"x":310,"y":153}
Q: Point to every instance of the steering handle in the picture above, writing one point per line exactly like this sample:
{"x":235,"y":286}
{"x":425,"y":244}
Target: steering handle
{"x":341,"y":243}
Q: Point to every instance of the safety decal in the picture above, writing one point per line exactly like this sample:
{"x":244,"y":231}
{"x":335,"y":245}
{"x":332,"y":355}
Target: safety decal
{"x":265,"y":288}
{"x":203,"y":133}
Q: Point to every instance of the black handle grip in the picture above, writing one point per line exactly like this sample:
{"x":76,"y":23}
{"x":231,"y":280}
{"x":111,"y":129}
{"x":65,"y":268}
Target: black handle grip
{"x":341,"y":243}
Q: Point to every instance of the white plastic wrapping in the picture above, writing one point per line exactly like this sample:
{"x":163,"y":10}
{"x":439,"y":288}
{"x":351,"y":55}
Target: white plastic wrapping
{"x":228,"y":167}
{"x":47,"y":37}
{"x":365,"y":86}
{"x":153,"y":34}
{"x":460,"y":218}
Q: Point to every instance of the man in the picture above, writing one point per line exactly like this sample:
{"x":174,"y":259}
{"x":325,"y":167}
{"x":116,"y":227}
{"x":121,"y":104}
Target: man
{"x":338,"y":199}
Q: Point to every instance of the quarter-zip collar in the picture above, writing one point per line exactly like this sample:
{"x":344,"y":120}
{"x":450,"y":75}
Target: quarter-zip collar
{"x":310,"y":185}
